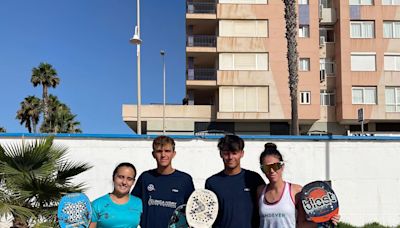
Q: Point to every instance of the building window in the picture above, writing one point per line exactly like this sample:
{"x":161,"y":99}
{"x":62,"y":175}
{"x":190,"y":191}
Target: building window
{"x":305,"y":97}
{"x":243,"y":61}
{"x":392,"y":97}
{"x":361,"y":2}
{"x":364,"y":95}
{"x":391,"y":62}
{"x":303,"y":2}
{"x":243,"y":28}
{"x":391,"y":29}
{"x":327,"y":98}
{"x":243,"y":99}
{"x":390,"y":2}
{"x":304,"y":31}
{"x":363,"y":62}
{"x":362,"y":29}
{"x":304,"y":64}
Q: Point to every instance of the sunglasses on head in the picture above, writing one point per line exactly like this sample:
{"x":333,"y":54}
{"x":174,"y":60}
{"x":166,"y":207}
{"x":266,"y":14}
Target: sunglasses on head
{"x":275,"y":166}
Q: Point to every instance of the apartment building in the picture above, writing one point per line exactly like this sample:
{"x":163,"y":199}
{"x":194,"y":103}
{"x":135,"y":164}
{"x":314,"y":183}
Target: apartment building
{"x":237,"y":74}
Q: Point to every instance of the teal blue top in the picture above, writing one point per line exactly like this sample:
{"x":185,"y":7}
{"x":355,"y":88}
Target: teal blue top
{"x":108,"y":214}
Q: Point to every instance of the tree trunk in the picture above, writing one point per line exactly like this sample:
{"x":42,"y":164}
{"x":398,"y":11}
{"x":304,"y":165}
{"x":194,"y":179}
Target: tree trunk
{"x":28,"y":124}
{"x":34,"y":126}
{"x":45,"y":104}
{"x":19,"y":223}
{"x":292,"y":56}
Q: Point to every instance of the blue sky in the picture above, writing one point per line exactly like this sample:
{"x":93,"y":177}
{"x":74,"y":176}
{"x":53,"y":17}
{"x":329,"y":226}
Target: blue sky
{"x":87,"y":42}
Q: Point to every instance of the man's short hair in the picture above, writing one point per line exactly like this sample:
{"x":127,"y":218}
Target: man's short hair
{"x":230,"y":143}
{"x":163,"y":140}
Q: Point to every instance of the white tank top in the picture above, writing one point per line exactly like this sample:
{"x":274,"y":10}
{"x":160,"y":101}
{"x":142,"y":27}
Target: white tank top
{"x":281,"y":214}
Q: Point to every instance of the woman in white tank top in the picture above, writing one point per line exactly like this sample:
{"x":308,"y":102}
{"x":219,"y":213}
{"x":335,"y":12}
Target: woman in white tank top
{"x":278,"y":202}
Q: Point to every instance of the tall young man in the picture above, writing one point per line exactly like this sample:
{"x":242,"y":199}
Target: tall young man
{"x":235,"y":187}
{"x":162,"y":189}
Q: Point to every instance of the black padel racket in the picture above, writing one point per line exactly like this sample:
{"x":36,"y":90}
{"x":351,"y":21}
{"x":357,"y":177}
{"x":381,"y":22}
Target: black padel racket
{"x":178,"y":218}
{"x":320,"y":203}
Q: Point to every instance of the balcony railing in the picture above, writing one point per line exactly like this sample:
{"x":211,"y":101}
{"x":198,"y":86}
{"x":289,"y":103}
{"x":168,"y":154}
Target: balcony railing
{"x":200,"y":7}
{"x":201,"y":74}
{"x":201,"y":41}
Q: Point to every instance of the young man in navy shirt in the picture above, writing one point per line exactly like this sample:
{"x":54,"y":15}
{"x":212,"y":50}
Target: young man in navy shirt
{"x":236,"y":188}
{"x":162,"y":189}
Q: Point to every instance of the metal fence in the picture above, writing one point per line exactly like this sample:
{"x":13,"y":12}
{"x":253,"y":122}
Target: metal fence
{"x":201,"y":74}
{"x":200,"y":7}
{"x":201,"y":41}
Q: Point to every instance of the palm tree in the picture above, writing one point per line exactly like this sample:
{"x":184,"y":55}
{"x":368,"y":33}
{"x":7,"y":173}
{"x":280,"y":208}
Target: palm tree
{"x":61,"y":119}
{"x":2,"y":130}
{"x":65,"y":121}
{"x":29,"y":113}
{"x":46,"y":76}
{"x":33,"y":178}
{"x":292,"y":56}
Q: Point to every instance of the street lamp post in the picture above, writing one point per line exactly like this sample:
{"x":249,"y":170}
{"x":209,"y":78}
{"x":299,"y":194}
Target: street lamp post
{"x":136,"y":40}
{"x":162,"y":52}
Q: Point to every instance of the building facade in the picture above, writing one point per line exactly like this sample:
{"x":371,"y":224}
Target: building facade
{"x":237,"y":74}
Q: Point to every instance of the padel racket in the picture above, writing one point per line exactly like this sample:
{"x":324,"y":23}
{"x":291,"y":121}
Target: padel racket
{"x":320,"y":203}
{"x":74,"y":210}
{"x":178,"y":218}
{"x":202,"y":208}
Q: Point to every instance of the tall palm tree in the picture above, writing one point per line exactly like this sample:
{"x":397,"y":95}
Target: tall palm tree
{"x":292,"y":56}
{"x":46,"y":76}
{"x":33,"y":178}
{"x":29,"y":112}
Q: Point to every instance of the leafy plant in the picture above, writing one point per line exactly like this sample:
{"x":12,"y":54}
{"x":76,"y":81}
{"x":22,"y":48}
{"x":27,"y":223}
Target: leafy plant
{"x":33,"y":178}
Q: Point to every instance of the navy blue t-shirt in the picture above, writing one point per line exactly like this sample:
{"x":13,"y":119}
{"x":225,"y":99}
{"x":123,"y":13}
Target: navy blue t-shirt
{"x":237,"y":198}
{"x":161,"y":195}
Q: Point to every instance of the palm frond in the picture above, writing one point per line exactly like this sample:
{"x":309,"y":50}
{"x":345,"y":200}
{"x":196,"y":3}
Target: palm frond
{"x":68,"y":170}
{"x":16,"y":211}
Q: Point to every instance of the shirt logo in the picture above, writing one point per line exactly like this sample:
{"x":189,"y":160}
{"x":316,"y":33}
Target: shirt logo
{"x":246,"y":189}
{"x":151,"y":188}
{"x":175,"y":190}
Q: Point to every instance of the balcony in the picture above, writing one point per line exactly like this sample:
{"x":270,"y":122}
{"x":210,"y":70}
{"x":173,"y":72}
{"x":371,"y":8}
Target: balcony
{"x":201,"y":41}
{"x":193,"y":7}
{"x":201,"y":74}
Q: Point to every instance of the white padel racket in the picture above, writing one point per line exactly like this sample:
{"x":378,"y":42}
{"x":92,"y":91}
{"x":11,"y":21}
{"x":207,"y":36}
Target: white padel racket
{"x":202,"y":208}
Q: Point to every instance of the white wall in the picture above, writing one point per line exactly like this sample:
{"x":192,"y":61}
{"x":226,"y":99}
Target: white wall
{"x":365,"y":174}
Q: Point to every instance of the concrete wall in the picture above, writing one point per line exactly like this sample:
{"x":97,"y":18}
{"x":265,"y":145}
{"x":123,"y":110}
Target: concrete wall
{"x":365,"y":173}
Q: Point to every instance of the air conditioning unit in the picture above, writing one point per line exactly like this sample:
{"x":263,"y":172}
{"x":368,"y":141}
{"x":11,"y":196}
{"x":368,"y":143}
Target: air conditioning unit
{"x":321,"y":41}
{"x":322,"y":75}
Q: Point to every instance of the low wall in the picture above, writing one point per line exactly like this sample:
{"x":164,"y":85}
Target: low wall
{"x":364,"y":171}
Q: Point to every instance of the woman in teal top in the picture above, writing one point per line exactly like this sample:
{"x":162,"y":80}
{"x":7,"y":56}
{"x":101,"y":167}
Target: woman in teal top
{"x":119,"y":208}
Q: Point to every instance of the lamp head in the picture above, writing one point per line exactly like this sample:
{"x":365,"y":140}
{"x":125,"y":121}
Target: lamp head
{"x":136,"y":38}
{"x":162,"y":52}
